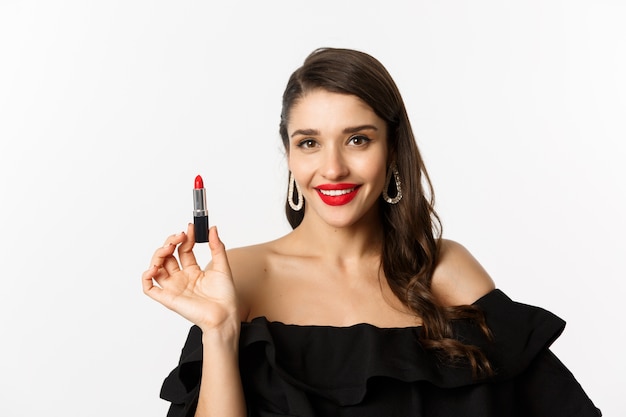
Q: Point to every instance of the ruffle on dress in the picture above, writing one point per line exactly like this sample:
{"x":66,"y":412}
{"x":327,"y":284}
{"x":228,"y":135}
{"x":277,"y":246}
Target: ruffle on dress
{"x":363,"y":370}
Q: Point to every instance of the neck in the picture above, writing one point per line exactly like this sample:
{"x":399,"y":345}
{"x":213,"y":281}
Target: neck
{"x":360,"y":240}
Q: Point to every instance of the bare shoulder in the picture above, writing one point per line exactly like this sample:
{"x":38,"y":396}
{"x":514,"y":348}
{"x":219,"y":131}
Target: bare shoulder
{"x":246,"y":261}
{"x":248,"y":265}
{"x":459,"y":278}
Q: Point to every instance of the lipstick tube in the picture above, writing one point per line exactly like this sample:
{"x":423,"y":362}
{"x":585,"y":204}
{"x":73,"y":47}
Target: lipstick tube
{"x":200,"y":212}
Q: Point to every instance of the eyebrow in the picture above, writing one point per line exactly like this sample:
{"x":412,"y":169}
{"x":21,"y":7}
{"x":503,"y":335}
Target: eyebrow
{"x":314,"y":132}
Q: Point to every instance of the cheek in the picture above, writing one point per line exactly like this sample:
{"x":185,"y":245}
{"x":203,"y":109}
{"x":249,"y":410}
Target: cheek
{"x":301,"y":168}
{"x":381,"y":175}
{"x":374,"y":170}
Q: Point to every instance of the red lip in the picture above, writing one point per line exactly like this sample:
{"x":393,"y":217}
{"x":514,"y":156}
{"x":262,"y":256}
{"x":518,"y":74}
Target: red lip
{"x":337,"y":200}
{"x":340,"y":186}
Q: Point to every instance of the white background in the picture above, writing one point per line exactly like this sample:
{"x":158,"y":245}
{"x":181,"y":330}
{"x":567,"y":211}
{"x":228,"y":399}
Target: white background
{"x":109,"y":109}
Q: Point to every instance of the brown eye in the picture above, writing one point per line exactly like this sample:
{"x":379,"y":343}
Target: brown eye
{"x":307,"y":144}
{"x":358,"y":140}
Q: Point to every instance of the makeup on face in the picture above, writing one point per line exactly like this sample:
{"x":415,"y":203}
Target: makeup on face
{"x":338,"y":156}
{"x":200,"y":212}
{"x":337,"y":194}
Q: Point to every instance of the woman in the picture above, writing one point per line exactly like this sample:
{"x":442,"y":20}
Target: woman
{"x":361,"y":310}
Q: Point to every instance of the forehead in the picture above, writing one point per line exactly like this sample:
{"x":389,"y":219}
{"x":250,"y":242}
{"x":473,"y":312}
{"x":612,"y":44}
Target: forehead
{"x":319,"y":109}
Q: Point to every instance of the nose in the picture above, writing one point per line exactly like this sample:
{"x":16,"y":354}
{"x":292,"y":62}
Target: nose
{"x":334,"y":165}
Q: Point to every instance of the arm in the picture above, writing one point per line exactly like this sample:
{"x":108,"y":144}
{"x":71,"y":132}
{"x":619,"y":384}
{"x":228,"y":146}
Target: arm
{"x":221,"y":393}
{"x":208,"y":299}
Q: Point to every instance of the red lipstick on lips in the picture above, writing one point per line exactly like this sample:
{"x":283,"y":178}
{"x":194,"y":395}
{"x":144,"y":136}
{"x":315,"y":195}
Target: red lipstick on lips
{"x":200,"y":212}
{"x":337,"y":194}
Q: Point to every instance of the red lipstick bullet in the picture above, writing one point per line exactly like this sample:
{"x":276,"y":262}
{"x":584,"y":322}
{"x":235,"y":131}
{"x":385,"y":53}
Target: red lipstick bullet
{"x":200,"y":212}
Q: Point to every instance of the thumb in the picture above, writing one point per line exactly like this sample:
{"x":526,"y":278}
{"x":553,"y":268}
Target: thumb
{"x":219,"y":260}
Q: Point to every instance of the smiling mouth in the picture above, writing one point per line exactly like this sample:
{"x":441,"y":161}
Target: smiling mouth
{"x":335,"y":193}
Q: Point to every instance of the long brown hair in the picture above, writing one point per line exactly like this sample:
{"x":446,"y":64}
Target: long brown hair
{"x":412,"y":229}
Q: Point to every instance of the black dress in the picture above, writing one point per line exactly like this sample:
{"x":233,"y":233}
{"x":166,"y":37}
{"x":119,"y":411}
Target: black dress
{"x":366,"y":371}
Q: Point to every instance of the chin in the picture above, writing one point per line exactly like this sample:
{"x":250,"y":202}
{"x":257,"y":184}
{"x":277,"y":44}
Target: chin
{"x":341,"y":222}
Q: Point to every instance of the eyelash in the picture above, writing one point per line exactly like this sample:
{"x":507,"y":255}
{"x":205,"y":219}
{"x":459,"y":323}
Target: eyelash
{"x":363,"y":138}
{"x":310,"y":143}
{"x":306,"y":143}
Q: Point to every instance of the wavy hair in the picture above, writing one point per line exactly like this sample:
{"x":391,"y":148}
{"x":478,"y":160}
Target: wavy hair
{"x":412,"y":228}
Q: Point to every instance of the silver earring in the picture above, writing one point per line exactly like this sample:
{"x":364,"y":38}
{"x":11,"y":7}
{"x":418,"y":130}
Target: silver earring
{"x":292,"y":185}
{"x":396,"y":176}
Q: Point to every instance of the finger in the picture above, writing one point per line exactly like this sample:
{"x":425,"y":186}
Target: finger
{"x":164,"y":253}
{"x":175,"y":239}
{"x":219,"y":260}
{"x":160,"y":276}
{"x":163,"y":258}
{"x":170,"y":263}
{"x":147,"y":282}
{"x":185,"y":250}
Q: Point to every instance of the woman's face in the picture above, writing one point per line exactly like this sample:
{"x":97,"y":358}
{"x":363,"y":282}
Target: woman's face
{"x":338,"y":156}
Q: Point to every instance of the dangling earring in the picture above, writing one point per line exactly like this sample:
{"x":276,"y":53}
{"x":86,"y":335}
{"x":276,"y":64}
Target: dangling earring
{"x":396,"y":176}
{"x":292,"y":185}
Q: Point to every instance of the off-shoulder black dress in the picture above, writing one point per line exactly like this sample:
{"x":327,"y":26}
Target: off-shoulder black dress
{"x":366,"y":371}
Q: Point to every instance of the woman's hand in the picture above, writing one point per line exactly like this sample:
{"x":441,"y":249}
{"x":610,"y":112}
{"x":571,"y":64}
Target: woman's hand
{"x":206,"y":298}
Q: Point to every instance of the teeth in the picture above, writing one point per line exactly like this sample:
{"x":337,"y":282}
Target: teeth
{"x":334,"y":193}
